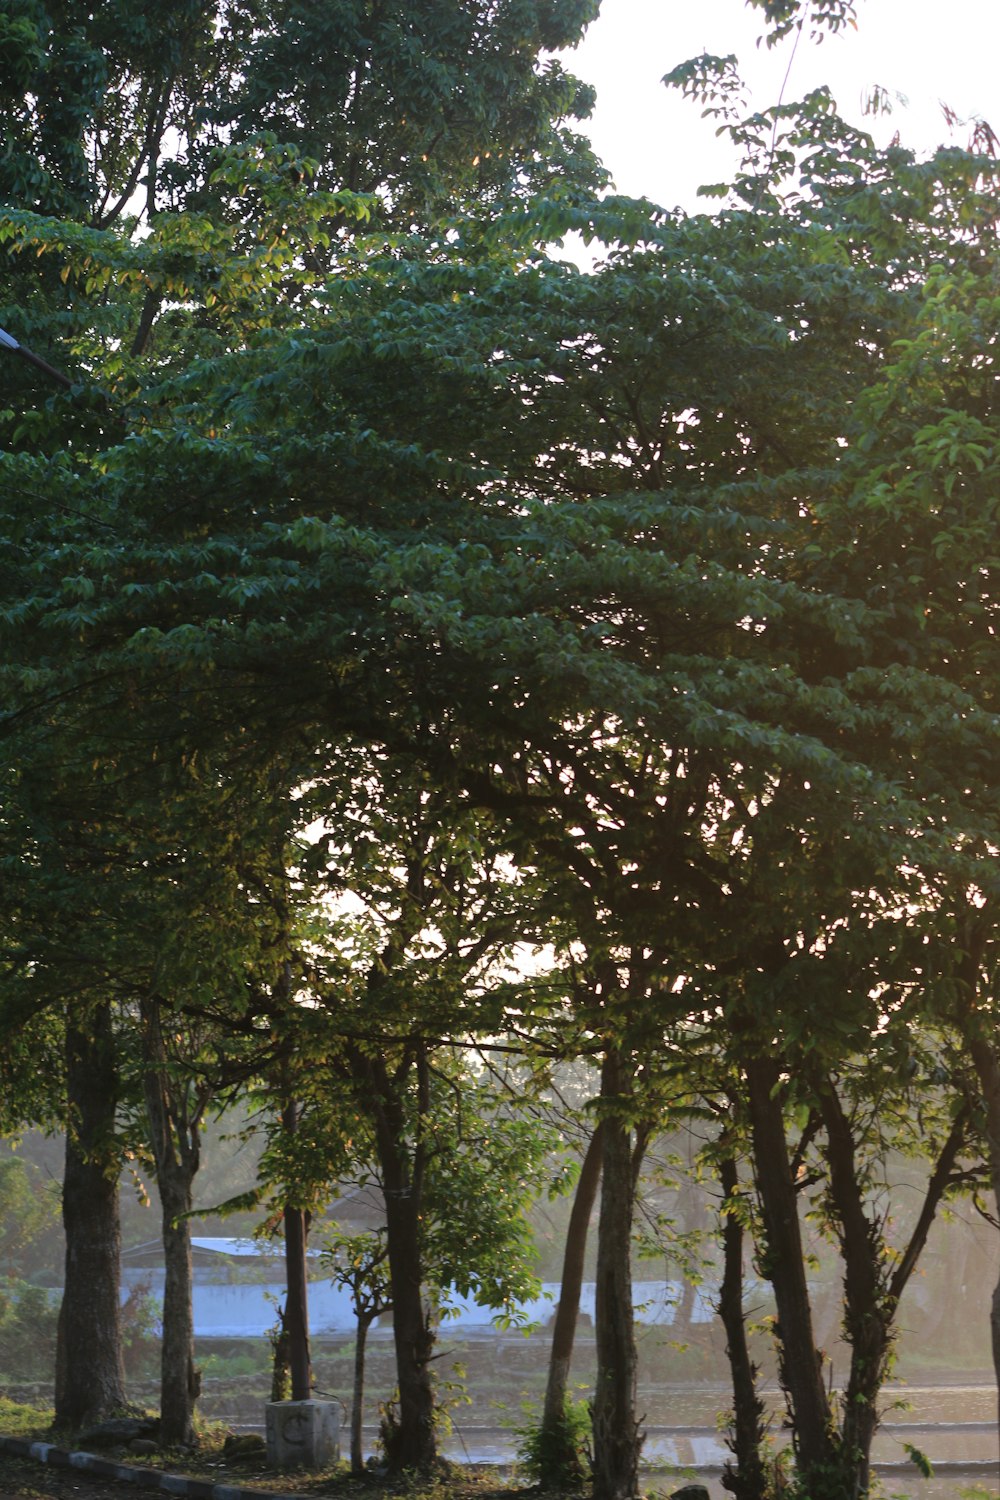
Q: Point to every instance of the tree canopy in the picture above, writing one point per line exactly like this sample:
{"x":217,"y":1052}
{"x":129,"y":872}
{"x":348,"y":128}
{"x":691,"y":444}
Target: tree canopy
{"x":390,"y":601}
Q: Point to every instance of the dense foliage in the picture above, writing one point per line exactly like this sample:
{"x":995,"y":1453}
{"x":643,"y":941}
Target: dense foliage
{"x":426,"y":662}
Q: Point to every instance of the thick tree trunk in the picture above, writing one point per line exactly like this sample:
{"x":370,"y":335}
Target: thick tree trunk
{"x":799,"y":1361}
{"x":746,"y":1478}
{"x":179,"y":1382}
{"x":617,"y":1439}
{"x":90,"y":1375}
{"x":177,"y":1155}
{"x":414,"y":1443}
{"x":411,"y":1444}
{"x":574,"y":1257}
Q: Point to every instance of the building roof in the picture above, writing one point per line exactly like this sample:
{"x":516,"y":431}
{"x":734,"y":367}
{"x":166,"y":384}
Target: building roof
{"x":208,"y":1248}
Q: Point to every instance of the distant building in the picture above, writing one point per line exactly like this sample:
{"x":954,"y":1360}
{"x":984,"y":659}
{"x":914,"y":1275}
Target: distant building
{"x":230,"y":1301}
{"x":214,"y":1258}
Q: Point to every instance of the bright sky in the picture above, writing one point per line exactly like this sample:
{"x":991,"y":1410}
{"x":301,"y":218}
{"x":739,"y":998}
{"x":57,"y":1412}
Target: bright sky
{"x":657,"y":145}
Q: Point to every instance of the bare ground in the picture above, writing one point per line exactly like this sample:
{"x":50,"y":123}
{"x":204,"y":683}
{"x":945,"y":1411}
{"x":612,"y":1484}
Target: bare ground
{"x":28,"y":1478}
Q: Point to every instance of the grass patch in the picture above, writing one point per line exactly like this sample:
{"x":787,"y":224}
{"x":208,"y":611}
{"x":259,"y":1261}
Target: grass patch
{"x":20,"y":1420}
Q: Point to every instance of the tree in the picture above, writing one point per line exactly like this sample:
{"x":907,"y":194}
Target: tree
{"x":557,"y":1447}
{"x":357,"y":1262}
{"x":919,"y":507}
{"x":832,"y":1441}
{"x":89,"y":105}
{"x":80,"y":1091}
{"x":561,"y":541}
{"x":747,"y":1475}
{"x":394,"y":972}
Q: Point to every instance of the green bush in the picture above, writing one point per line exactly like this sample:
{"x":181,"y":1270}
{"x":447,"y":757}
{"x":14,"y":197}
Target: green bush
{"x":28,"y":1320}
{"x":557,"y":1457}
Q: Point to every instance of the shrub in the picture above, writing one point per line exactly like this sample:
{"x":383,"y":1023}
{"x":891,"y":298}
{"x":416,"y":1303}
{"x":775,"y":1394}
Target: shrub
{"x":28,"y":1320}
{"x":557,"y":1456}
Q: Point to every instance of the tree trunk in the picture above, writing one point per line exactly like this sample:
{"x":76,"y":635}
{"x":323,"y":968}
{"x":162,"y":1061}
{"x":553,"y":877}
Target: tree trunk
{"x":296,"y":1303}
{"x":799,"y":1362}
{"x":987,"y":1065}
{"x":617,"y":1439}
{"x":873,"y":1285}
{"x":867,"y":1316}
{"x":177,"y":1155}
{"x":559,"y":1463}
{"x":179,"y":1381}
{"x":90,"y":1374}
{"x":365,"y":1321}
{"x":568,"y":1310}
{"x":295,"y":1322}
{"x":411,"y":1444}
{"x":281,"y":1369}
{"x":995,"y":1332}
{"x":414,"y":1445}
{"x":746,"y":1479}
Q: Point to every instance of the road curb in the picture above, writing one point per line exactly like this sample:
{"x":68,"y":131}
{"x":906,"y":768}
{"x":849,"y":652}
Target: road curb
{"x":148,"y":1479}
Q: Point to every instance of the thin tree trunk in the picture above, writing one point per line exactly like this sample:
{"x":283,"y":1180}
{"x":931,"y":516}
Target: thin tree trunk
{"x":867,"y":1317}
{"x":365,"y":1321}
{"x":574,"y":1257}
{"x":747,"y":1479}
{"x":987,"y":1065}
{"x":617,"y":1439}
{"x":296,"y":1303}
{"x":799,"y":1361}
{"x":90,"y":1374}
{"x":296,"y":1324}
{"x":559,"y":1462}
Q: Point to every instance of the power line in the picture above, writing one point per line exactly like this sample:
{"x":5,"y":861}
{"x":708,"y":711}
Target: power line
{"x":7,"y":341}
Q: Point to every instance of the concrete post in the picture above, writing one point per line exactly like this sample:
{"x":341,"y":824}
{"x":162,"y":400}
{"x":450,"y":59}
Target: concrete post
{"x":302,"y":1434}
